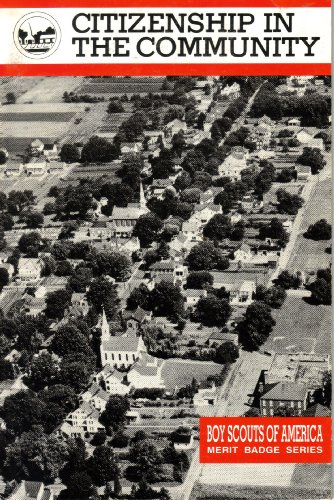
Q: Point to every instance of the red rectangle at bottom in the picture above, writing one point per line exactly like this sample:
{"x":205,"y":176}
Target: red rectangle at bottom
{"x":265,"y":440}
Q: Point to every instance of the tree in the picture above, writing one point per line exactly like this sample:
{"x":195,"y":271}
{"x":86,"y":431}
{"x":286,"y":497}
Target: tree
{"x":30,"y":243}
{"x":61,"y":395}
{"x":212,"y":311}
{"x":80,"y":485}
{"x":112,"y":263}
{"x":284,"y":411}
{"x":139,"y":297}
{"x":313,"y":158}
{"x":19,"y":200}
{"x":56,"y":303}
{"x":22,"y":410}
{"x":147,"y":229}
{"x":219,"y":227}
{"x":265,"y":178}
{"x":69,"y":153}
{"x":68,"y":339}
{"x":205,"y":256}
{"x":115,"y":106}
{"x":103,"y":294}
{"x":98,"y":150}
{"x":114,"y":415}
{"x":288,"y":280}
{"x":6,"y":369}
{"x":5,"y":346}
{"x":320,"y":230}
{"x":75,"y":373}
{"x":4,"y":277}
{"x":34,"y":220}
{"x":199,"y":279}
{"x":42,"y":372}
{"x":10,"y":98}
{"x":35,"y":456}
{"x":3,"y":157}
{"x":63,"y":268}
{"x":274,"y":230}
{"x":147,"y":458}
{"x":166,"y":300}
{"x":80,"y":280}
{"x":256,"y":326}
{"x":321,"y":288}
{"x":6,"y":221}
{"x":102,"y":466}
{"x":288,"y":203}
{"x":275,"y":297}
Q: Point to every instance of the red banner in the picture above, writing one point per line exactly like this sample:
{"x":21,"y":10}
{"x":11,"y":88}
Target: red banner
{"x":265,"y":440}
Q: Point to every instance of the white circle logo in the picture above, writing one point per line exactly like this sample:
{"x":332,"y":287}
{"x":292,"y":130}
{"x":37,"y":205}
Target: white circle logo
{"x":37,"y":35}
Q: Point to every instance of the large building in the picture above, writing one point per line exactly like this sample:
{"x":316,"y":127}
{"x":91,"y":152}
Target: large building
{"x":124,"y":218}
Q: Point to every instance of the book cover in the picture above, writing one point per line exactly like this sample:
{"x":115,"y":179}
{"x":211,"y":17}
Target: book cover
{"x":165,"y":250}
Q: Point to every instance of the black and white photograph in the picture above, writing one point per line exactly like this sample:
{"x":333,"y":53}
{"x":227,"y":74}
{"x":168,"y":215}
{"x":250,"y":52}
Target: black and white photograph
{"x":165,"y":255}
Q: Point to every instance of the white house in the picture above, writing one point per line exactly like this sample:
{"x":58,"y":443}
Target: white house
{"x":31,"y":490}
{"x":96,"y":397}
{"x":192,"y":296}
{"x":30,"y":269}
{"x":174,"y":127}
{"x":203,"y":213}
{"x":85,"y":418}
{"x":172,"y":267}
{"x":242,"y":295}
{"x":206,"y":395}
{"x":36,"y":167}
{"x":113,"y":379}
{"x":304,"y":136}
{"x":232,"y":91}
{"x":146,"y":373}
{"x":243,"y":253}
{"x":79,"y":300}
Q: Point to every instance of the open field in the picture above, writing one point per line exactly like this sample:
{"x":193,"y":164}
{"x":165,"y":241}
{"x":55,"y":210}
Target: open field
{"x":114,"y":85}
{"x":309,"y":255}
{"x":37,"y":117}
{"x":19,"y":85}
{"x":300,"y":327}
{"x":35,"y":129}
{"x":50,"y":89}
{"x":59,"y":107}
{"x":180,"y":372}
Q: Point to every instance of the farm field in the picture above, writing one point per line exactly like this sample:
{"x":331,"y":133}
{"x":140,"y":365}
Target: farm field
{"x":17,"y":145}
{"x":19,"y":85}
{"x":300,"y":327}
{"x":180,"y":372}
{"x":114,"y":85}
{"x":37,"y":117}
{"x":50,"y":89}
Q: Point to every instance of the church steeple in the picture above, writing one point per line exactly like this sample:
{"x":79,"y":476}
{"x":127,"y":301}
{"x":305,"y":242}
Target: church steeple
{"x":104,"y":326}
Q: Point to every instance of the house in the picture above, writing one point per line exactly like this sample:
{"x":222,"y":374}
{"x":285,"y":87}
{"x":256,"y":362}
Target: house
{"x":119,"y":351}
{"x":132,"y":417}
{"x":304,"y":136}
{"x":283,"y":394}
{"x":85,"y":418}
{"x":113,"y":380}
{"x":79,"y":300}
{"x":293,"y":122}
{"x":232,"y":91}
{"x":95,"y":396}
{"x":304,"y":172}
{"x":134,"y":319}
{"x":55,"y":166}
{"x":30,"y":269}
{"x":192,"y":230}
{"x":51,"y":150}
{"x":244,"y":253}
{"x":11,"y":387}
{"x":13,"y":169}
{"x":36,"y":147}
{"x":159,"y":186}
{"x":35,"y":167}
{"x":125,"y":218}
{"x":173,"y":127}
{"x":33,"y":306}
{"x":234,"y":163}
{"x":31,"y":490}
{"x":265,"y":120}
{"x":128,"y":245}
{"x":316,"y":143}
{"x":207,"y":395}
{"x":153,"y":136}
{"x":129,"y":148}
{"x":219,"y":338}
{"x":192,"y":296}
{"x":203,"y":213}
{"x":171,"y":267}
{"x":146,"y":373}
{"x":242,"y":295}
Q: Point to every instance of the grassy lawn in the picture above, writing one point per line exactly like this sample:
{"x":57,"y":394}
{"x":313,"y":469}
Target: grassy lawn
{"x":180,"y":372}
{"x":310,"y":255}
{"x":300,"y":327}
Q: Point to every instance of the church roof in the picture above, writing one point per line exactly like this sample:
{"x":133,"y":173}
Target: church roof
{"x":121,"y":344}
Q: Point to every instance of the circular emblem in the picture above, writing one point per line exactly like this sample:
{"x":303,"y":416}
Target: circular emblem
{"x":37,"y":35}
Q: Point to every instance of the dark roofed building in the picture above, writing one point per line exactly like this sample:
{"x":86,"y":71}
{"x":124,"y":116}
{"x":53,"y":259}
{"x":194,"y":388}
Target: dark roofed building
{"x":283,"y":394}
